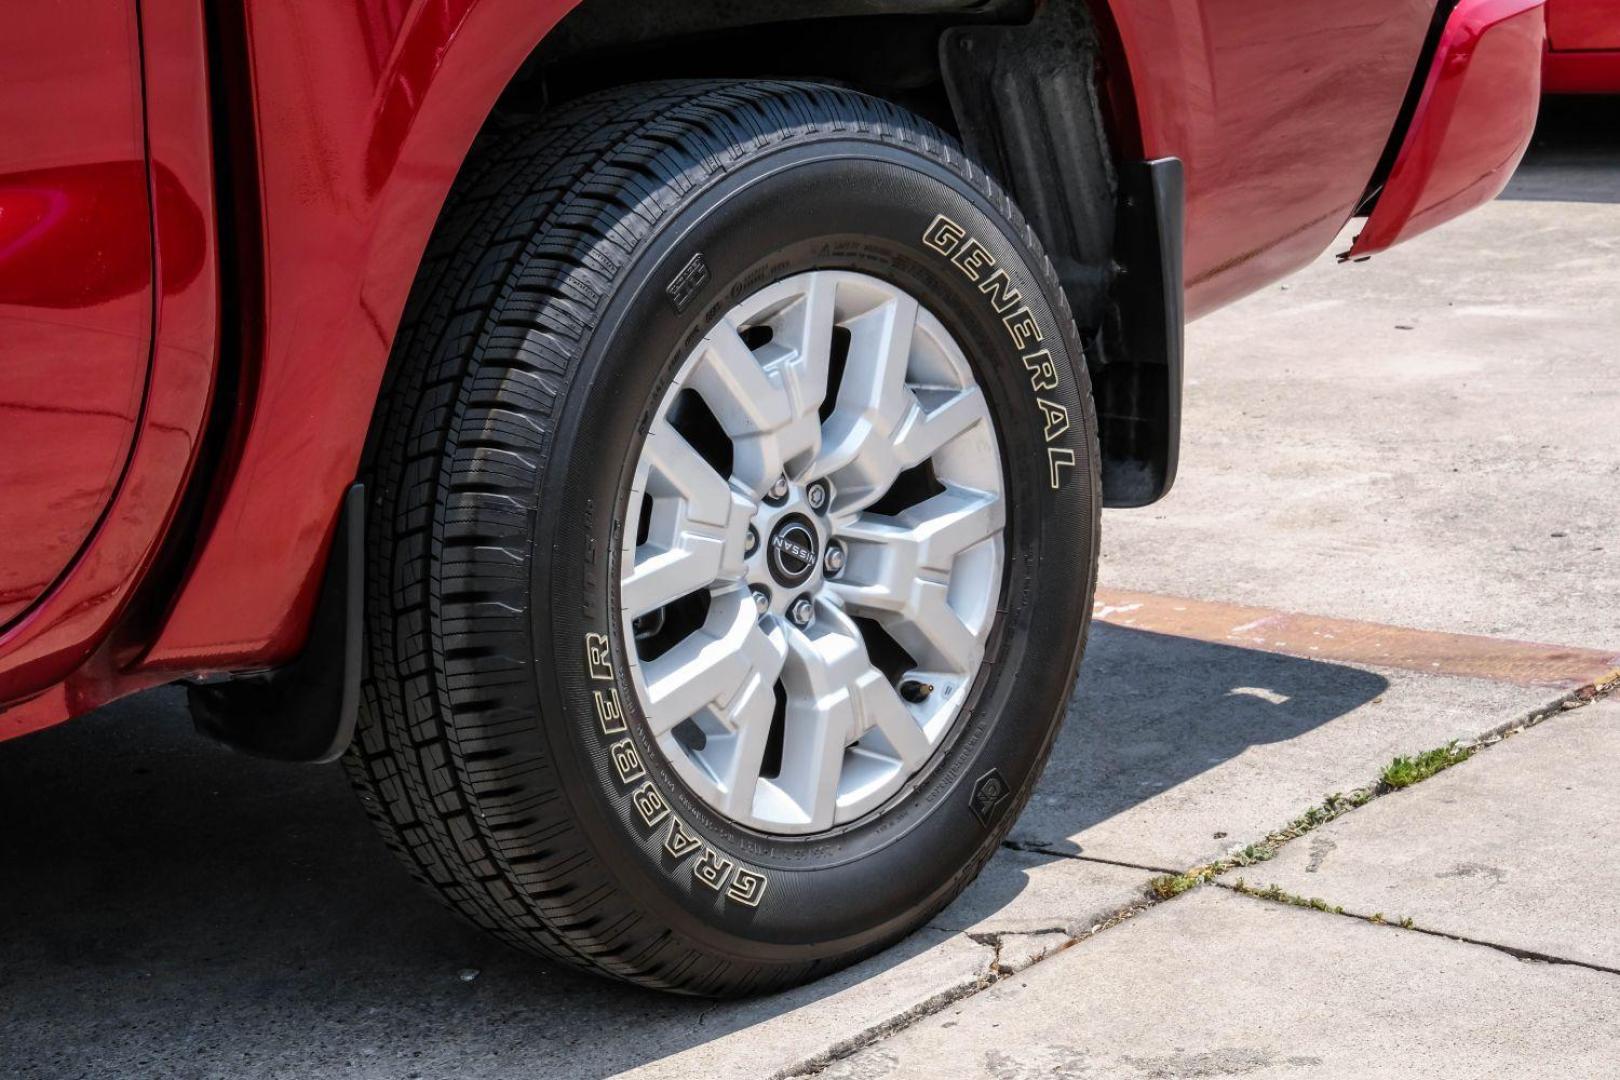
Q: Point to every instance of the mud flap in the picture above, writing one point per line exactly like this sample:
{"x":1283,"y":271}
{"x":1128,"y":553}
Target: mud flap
{"x":306,"y":710}
{"x":1138,"y":383}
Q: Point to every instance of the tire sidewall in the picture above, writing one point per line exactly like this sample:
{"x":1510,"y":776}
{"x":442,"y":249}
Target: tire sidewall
{"x":866,"y":205}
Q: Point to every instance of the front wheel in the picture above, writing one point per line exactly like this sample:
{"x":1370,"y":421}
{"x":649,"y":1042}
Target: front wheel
{"x":734,"y":534}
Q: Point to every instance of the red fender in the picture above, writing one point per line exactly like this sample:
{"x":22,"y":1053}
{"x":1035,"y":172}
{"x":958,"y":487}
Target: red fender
{"x":1279,"y":111}
{"x":365,"y":113}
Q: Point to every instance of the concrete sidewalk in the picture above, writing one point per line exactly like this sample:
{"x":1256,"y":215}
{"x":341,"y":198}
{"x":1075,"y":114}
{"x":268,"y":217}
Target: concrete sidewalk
{"x":171,"y":909}
{"x":1472,"y":929}
{"x":1219,"y":984}
{"x":1517,"y":848}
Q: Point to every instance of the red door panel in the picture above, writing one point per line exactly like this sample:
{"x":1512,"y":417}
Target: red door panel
{"x":75,"y":280}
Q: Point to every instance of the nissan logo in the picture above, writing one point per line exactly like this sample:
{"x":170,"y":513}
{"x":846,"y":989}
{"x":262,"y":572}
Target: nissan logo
{"x":792,"y":554}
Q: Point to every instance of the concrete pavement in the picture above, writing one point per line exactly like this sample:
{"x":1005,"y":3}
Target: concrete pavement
{"x":1216,"y":984}
{"x":1424,"y":439}
{"x":1517,"y":848}
{"x":171,"y":909}
{"x":1466,"y":926}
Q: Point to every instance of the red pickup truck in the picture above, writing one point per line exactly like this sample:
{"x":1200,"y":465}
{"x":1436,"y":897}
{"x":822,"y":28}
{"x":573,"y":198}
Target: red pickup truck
{"x":657,"y":447}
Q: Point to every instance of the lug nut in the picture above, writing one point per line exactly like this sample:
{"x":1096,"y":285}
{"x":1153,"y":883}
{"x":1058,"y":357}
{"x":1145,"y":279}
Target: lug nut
{"x":751,"y":542}
{"x":834,"y":560}
{"x":817,"y":495}
{"x":779,"y":489}
{"x":802,"y":611}
{"x":762,"y":600}
{"x":916,"y":692}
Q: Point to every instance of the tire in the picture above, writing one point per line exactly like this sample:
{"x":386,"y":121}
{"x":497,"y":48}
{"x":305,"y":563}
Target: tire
{"x":504,"y":749}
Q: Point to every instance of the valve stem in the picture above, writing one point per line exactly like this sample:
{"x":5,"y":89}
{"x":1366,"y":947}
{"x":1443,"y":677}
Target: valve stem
{"x":916,"y":692}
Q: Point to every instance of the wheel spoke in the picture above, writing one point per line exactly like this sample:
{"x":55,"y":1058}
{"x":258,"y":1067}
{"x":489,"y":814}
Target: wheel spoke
{"x":858,"y":451}
{"x":822,"y":758}
{"x":698,"y":529}
{"x":835,"y":695}
{"x":881,"y":708}
{"x":666,"y":576}
{"x":805,"y":373}
{"x":750,"y":718}
{"x":900,"y":569}
{"x":879,"y":352}
{"x":935,"y":634}
{"x":716,"y":668}
{"x":769,"y":410}
{"x":875,"y":702}
{"x":927,"y":430}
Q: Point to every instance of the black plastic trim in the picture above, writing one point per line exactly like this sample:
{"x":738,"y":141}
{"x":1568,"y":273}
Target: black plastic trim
{"x":1138,"y":384}
{"x":1025,"y":102}
{"x":306,"y":710}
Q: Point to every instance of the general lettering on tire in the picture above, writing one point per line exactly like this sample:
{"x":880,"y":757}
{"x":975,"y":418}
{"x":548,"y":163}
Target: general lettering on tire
{"x":976,"y":263}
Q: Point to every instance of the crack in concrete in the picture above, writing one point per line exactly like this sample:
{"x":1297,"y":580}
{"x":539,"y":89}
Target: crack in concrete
{"x":1335,"y":806}
{"x":996,"y":939}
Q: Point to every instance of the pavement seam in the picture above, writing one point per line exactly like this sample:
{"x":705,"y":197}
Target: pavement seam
{"x":1319,"y":905}
{"x":1336,"y":806}
{"x":1039,"y":849}
{"x":893,"y":1025}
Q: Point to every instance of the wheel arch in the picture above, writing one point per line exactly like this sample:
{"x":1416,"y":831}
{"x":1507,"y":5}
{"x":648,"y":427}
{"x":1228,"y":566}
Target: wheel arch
{"x":355,"y":126}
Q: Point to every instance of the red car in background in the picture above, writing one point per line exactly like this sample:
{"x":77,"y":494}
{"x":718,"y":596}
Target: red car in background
{"x":1583,"y":47}
{"x":659,"y":447}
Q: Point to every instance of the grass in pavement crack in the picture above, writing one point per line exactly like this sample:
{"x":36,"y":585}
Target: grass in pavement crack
{"x":1406,"y":771}
{"x":1278,"y":895}
{"x":1400,"y":773}
{"x":1275,"y":893}
{"x":1377,"y":919}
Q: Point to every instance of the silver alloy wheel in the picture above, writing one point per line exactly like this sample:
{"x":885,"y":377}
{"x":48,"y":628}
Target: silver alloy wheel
{"x":900,"y":477}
